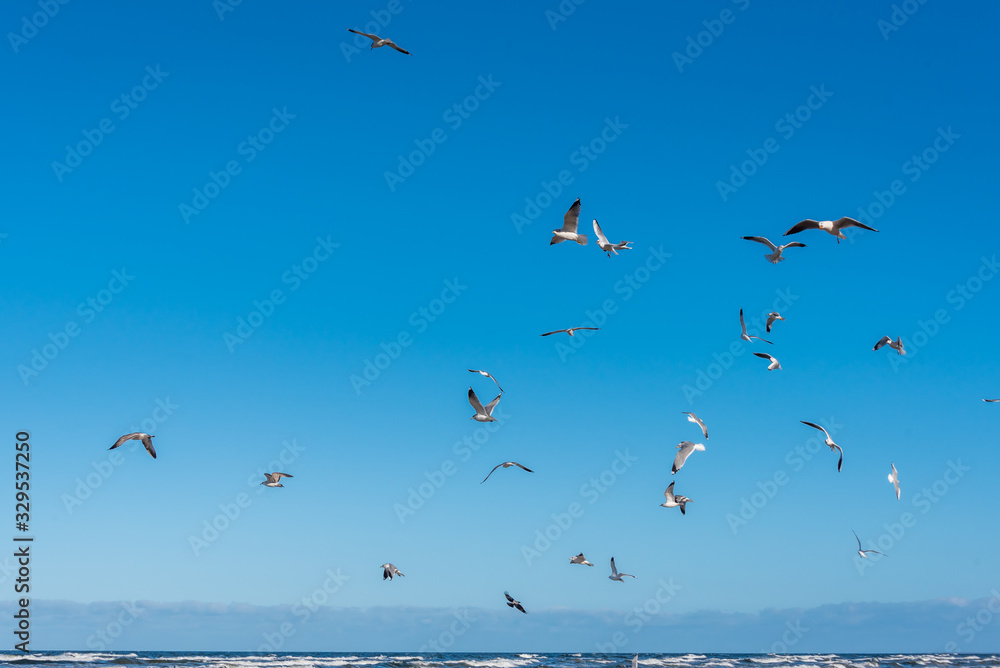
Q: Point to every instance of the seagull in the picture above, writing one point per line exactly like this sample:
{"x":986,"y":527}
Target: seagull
{"x":863,"y":553}
{"x":771,"y":317}
{"x":775,"y":257}
{"x":635,"y":661}
{"x":833,"y":227}
{"x":991,"y":401}
{"x":615,"y":575}
{"x":379,"y":41}
{"x":273,"y":478}
{"x":674,"y":501}
{"x":580,"y":559}
{"x":744,"y":335}
{"x":388,"y":570}
{"x":775,"y":364}
{"x":607,"y":246}
{"x":514,"y":604}
{"x":684,"y":450}
{"x":694,"y":418}
{"x":568,"y":231}
{"x":506,"y":465}
{"x":829,"y":442}
{"x":894,"y":479}
{"x":568,"y":331}
{"x":896,"y":345}
{"x":147,"y":440}
{"x":482,"y":414}
{"x":488,"y":375}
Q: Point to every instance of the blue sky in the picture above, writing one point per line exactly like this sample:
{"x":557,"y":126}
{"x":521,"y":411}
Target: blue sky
{"x":122,"y":303}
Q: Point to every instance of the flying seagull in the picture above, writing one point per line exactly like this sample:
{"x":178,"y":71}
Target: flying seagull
{"x":896,"y":345}
{"x":606,"y":245}
{"x":774,"y":363}
{"x":506,"y":465}
{"x":488,"y":375}
{"x":684,"y":450}
{"x":829,"y":442}
{"x":147,"y":440}
{"x":674,"y":500}
{"x":775,"y":257}
{"x":388,"y":570}
{"x":482,"y":414}
{"x":272,"y":479}
{"x":568,"y":231}
{"x":379,"y":41}
{"x":580,"y":559}
{"x":744,"y":335}
{"x":863,"y":553}
{"x":694,"y":418}
{"x":514,"y":604}
{"x":833,"y":227}
{"x":568,"y":331}
{"x":771,"y":317}
{"x":615,"y":575}
{"x":894,"y":479}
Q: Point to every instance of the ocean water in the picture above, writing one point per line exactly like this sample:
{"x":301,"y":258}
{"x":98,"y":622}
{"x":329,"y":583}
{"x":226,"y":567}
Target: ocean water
{"x":493,"y":660}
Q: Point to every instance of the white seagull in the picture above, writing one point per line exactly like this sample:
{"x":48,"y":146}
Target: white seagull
{"x":684,"y":450}
{"x":568,"y":231}
{"x":272,"y":479}
{"x":696,"y":420}
{"x":775,"y":257}
{"x":482,"y":414}
{"x":771,"y":317}
{"x":506,"y":465}
{"x":606,"y":245}
{"x":833,"y":227}
{"x":568,"y":331}
{"x":635,"y":661}
{"x":488,"y":375}
{"x":829,"y":442}
{"x":580,"y":559}
{"x":674,"y":500}
{"x":147,"y":440}
{"x":388,"y":570}
{"x":615,"y":575}
{"x":514,"y":604}
{"x":863,"y":553}
{"x":896,"y":345}
{"x":379,"y":41}
{"x":743,"y":331}
{"x":774,"y":363}
{"x":894,"y":479}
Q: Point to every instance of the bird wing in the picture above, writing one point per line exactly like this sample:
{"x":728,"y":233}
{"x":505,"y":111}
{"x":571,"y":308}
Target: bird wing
{"x":373,"y":38}
{"x":856,"y":538}
{"x":761,"y":339}
{"x":814,"y":426}
{"x":393,"y":45}
{"x":148,"y":442}
{"x":572,"y":218}
{"x":881,"y":342}
{"x":488,"y":375}
{"x":614,"y":570}
{"x":669,"y":492}
{"x":510,"y":599}
{"x":807,"y":224}
{"x":385,"y":573}
{"x":523,"y":467}
{"x":694,"y":418}
{"x":126,"y":437}
{"x":684,"y":451}
{"x":794,"y":244}
{"x":840,"y":462}
{"x":558,"y":331}
{"x":493,"y":404}
{"x":576,"y":328}
{"x":850,"y":222}
{"x":278,"y":476}
{"x":764,"y":356}
{"x":991,"y":401}
{"x":743,"y":325}
{"x":763,"y":240}
{"x":474,"y":400}
{"x":601,"y":239}
{"x":491,"y":473}
{"x":520,"y":607}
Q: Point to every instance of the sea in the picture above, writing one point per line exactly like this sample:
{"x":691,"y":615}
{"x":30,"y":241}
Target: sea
{"x":492,"y":660}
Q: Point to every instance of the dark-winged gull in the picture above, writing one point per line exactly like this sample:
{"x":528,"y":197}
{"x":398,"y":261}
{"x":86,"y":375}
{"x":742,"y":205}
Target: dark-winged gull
{"x":684,"y":450}
{"x":743,"y":331}
{"x":896,"y":345}
{"x":514,"y":604}
{"x":506,"y":465}
{"x":388,"y":571}
{"x":147,"y":440}
{"x":771,"y":317}
{"x":694,"y":418}
{"x":863,"y":553}
{"x":570,"y":222}
{"x":615,"y":575}
{"x":271,"y":479}
{"x":488,"y":375}
{"x":773,"y":362}
{"x":580,"y":559}
{"x":606,"y":245}
{"x":674,"y":500}
{"x":379,"y":41}
{"x":568,"y":331}
{"x":775,"y":256}
{"x":482,"y":414}
{"x":833,"y":227}
{"x":829,"y":442}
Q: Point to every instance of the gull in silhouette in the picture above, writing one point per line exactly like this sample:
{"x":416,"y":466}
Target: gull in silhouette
{"x":896,"y":345}
{"x":743,"y":331}
{"x":580,"y":559}
{"x":568,"y":331}
{"x":694,"y":418}
{"x":615,"y":575}
{"x":482,"y":414}
{"x":775,"y":256}
{"x":271,"y":479}
{"x":829,"y":442}
{"x":833,"y":227}
{"x":488,"y":375}
{"x":894,"y":479}
{"x":147,"y":440}
{"x":684,"y":450}
{"x":570,"y":222}
{"x":771,"y":317}
{"x":388,"y":570}
{"x":674,"y":500}
{"x":774,"y":363}
{"x":606,"y":245}
{"x":506,"y":465}
{"x":863,"y":553}
{"x":379,"y":41}
{"x":514,"y":604}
